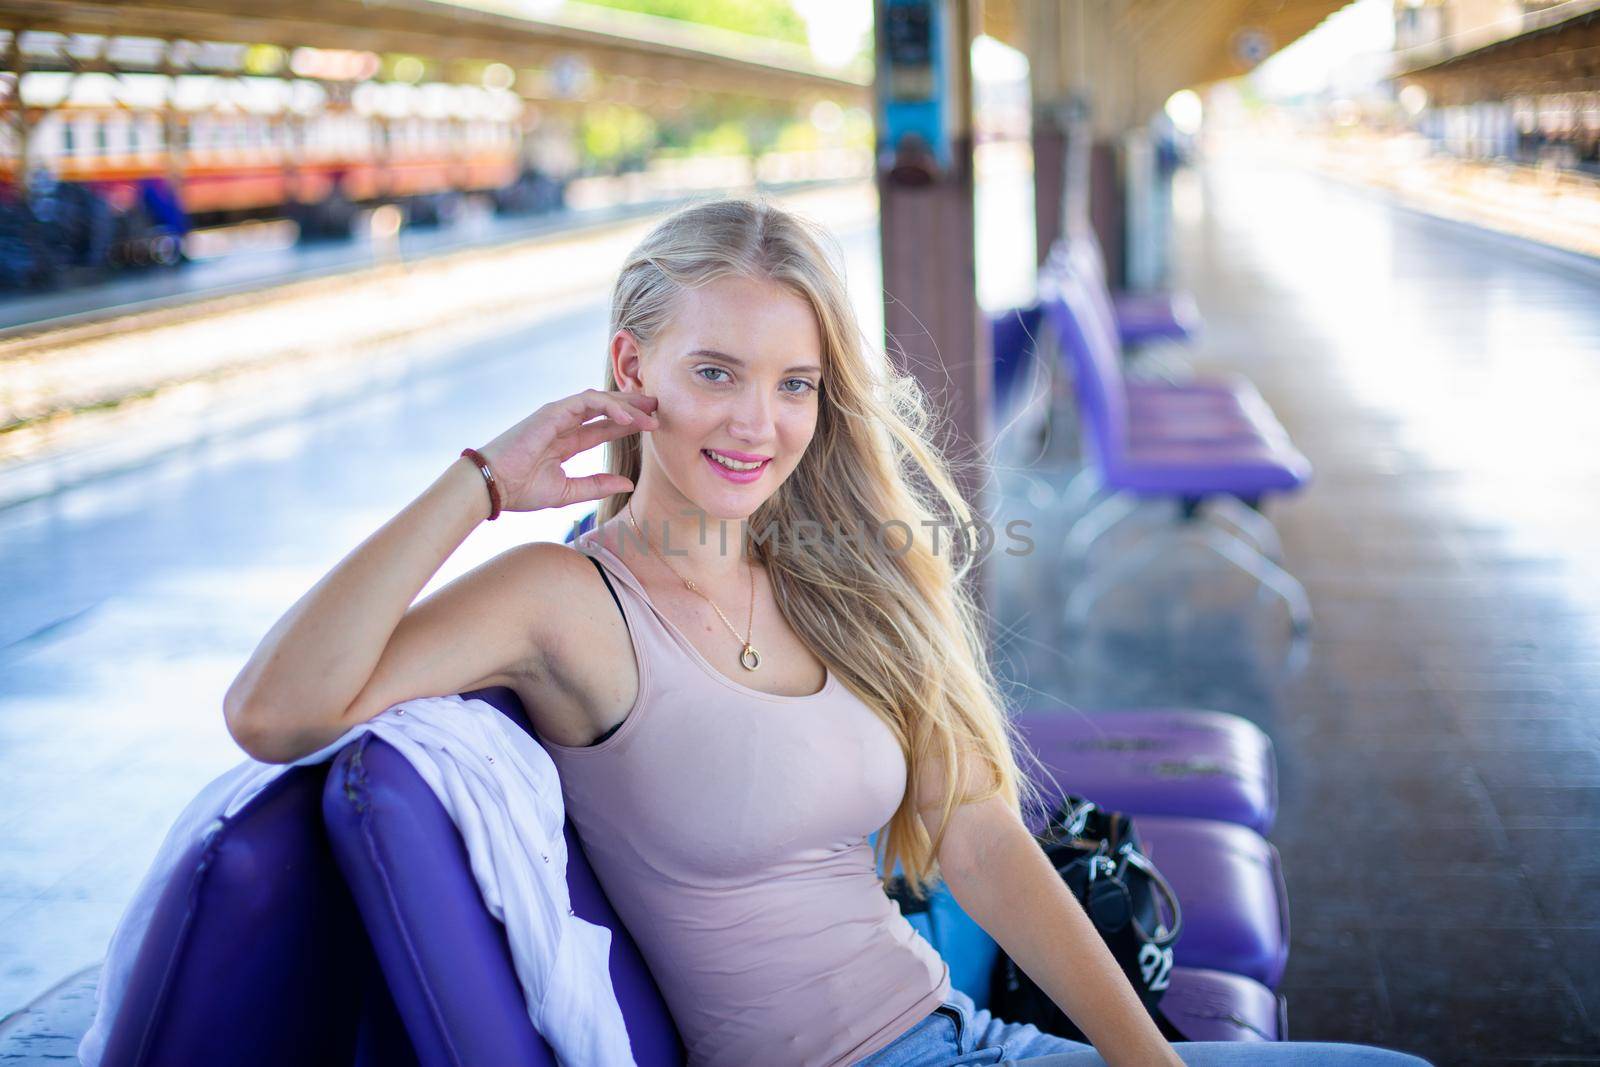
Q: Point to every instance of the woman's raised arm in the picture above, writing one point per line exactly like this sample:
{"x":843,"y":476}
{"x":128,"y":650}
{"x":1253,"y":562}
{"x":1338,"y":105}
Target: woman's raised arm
{"x":349,"y":648}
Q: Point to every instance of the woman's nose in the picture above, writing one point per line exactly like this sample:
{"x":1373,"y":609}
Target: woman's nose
{"x":754,"y":419}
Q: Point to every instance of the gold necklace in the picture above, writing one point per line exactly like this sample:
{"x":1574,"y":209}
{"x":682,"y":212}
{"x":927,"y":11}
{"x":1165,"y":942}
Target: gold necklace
{"x":749,"y":658}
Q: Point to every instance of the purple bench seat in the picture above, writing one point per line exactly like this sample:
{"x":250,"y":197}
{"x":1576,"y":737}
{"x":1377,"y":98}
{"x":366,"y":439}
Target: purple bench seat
{"x":1229,"y":880}
{"x":424,"y":976}
{"x":1139,"y":317}
{"x":1156,"y":316}
{"x":1130,"y":462}
{"x":1169,"y":761}
{"x":1218,"y":1006}
{"x":256,"y":914}
{"x":446,"y":958}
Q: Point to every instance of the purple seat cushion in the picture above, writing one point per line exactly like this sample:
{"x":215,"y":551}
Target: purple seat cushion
{"x":1203,"y":764}
{"x":1229,"y":880}
{"x":1247,"y":471}
{"x":255,"y":953}
{"x":1232,"y":392}
{"x":1204,"y":430}
{"x":1143,"y":317}
{"x":446,"y":959}
{"x":1217,"y":1006}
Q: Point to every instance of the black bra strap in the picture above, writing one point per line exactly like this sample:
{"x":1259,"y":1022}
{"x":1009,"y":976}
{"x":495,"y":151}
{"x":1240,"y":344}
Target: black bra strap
{"x":609,"y":587}
{"x":612,"y":590}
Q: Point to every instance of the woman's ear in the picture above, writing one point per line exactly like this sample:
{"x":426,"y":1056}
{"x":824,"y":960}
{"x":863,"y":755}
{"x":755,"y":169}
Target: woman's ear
{"x":627,"y":361}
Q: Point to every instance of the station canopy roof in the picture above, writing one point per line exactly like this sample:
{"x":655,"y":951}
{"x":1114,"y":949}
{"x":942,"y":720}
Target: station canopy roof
{"x":1177,"y":44}
{"x":612,"y":42}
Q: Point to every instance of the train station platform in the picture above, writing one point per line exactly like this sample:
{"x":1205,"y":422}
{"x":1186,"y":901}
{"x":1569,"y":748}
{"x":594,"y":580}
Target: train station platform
{"x":1437,"y":736}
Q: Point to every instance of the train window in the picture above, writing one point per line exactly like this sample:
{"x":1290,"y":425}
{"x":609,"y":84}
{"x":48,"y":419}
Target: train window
{"x":102,"y":137}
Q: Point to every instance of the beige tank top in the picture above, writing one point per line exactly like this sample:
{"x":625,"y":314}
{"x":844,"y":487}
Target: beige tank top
{"x":729,"y":829}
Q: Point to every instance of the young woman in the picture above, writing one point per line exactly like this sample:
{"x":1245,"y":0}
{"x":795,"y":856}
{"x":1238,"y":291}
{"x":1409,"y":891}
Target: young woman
{"x":763,"y":653}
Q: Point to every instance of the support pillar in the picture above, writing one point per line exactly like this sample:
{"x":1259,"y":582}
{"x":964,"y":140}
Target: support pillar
{"x":1049,"y":85}
{"x":1107,"y":208}
{"x":1049,"y":179}
{"x":934,"y":329}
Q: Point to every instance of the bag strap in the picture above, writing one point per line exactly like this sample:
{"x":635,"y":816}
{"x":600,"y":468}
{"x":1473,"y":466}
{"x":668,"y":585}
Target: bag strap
{"x":1142,"y":862}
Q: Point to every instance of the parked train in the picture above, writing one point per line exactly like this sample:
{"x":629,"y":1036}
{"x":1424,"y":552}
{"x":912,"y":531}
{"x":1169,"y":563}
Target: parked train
{"x":112,"y":184}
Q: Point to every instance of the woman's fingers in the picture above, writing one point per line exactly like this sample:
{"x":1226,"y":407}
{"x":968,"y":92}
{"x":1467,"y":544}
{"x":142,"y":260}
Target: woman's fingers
{"x":527,"y":458}
{"x":596,"y":486}
{"x":590,"y":434}
{"x":629,"y":408}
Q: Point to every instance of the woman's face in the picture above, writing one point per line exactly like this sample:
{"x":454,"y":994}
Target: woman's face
{"x":736,"y":373}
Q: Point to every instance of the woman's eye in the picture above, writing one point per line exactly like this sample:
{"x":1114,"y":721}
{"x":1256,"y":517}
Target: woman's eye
{"x":804,"y":384}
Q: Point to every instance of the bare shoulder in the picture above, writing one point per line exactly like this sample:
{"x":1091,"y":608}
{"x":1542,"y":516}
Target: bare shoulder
{"x":556,"y":585}
{"x":583,"y":678}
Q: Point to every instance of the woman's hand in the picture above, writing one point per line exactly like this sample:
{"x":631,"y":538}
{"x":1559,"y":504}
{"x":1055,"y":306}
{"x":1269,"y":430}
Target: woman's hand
{"x":527,"y":458}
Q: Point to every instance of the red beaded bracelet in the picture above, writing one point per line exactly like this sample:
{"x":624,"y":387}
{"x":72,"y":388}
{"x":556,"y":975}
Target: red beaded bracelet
{"x":488,"y":476}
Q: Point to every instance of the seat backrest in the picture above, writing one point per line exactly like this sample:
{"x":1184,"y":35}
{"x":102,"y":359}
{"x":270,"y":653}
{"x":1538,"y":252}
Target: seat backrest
{"x":1093,"y":360}
{"x":254,"y":929}
{"x":1079,"y":254}
{"x":650,"y":1027}
{"x":447,"y":960}
{"x":1012,"y":337}
{"x":579,"y":528}
{"x":1084,"y":258}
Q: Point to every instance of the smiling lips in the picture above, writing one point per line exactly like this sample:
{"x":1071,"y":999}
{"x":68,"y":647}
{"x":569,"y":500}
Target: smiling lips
{"x":732,"y":465}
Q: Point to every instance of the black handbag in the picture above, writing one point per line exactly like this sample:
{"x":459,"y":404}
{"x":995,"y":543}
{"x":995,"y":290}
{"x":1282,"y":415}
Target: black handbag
{"x":1097,"y":853}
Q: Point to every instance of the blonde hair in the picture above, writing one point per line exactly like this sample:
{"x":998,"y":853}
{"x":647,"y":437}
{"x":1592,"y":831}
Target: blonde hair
{"x":894,"y":621}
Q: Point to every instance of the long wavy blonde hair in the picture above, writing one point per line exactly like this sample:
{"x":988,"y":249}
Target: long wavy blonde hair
{"x":892,"y":617}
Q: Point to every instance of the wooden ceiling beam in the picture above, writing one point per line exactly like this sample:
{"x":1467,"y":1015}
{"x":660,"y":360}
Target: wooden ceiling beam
{"x":420,"y":27}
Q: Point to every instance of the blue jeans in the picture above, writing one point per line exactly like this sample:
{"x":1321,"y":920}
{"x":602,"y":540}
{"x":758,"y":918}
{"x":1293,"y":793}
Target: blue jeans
{"x":956,"y":1034}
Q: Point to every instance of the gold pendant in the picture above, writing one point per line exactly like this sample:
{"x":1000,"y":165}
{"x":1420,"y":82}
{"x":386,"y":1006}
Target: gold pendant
{"x":749,"y":659}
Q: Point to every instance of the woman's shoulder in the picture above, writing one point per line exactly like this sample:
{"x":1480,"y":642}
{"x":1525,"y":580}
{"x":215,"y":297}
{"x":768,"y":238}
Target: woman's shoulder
{"x":553,"y":566}
{"x":580,"y":635}
{"x":568,"y":581}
